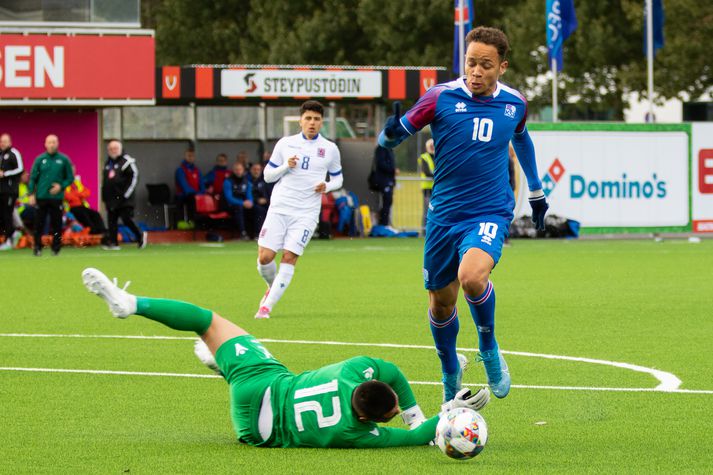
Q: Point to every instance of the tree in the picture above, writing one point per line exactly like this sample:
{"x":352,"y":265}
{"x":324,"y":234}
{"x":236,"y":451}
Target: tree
{"x":603,"y":59}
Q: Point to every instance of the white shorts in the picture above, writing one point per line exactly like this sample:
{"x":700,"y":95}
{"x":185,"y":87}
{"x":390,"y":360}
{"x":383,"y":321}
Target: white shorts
{"x":281,"y":231}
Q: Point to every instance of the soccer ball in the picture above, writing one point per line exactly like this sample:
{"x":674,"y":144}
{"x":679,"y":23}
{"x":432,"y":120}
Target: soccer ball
{"x":461,"y":433}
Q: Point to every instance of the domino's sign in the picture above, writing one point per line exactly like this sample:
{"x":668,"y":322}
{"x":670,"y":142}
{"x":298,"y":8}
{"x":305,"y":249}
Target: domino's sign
{"x":616,"y":179}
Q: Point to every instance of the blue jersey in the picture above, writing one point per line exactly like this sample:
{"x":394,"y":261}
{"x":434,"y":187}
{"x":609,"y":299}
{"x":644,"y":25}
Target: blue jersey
{"x":471,"y":135}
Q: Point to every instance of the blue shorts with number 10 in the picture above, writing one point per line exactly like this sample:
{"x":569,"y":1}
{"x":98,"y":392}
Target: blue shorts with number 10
{"x":446,"y":244}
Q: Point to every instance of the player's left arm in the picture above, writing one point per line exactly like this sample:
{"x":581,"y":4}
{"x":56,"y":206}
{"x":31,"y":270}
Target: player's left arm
{"x":336,"y":179}
{"x":525,"y":151}
{"x":68,"y":174}
{"x":394,"y":437}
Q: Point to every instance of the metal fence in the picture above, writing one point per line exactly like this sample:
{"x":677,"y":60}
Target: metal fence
{"x":407,"y":211}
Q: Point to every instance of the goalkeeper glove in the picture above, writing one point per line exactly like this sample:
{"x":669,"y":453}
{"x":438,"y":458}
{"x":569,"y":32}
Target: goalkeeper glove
{"x":465,"y":399}
{"x":539,"y":205}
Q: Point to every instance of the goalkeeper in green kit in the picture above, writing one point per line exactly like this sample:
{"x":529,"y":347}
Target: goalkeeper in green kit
{"x":335,"y":406}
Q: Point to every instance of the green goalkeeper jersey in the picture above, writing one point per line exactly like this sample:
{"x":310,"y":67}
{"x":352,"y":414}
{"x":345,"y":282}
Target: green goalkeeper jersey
{"x":314,"y":409}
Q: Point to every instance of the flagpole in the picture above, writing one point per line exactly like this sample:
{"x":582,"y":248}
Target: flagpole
{"x":650,"y":56}
{"x":461,"y":37}
{"x":554,"y":90}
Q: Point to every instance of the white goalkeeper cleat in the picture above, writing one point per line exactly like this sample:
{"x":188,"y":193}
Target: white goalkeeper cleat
{"x":203,"y":353}
{"x":121,"y":303}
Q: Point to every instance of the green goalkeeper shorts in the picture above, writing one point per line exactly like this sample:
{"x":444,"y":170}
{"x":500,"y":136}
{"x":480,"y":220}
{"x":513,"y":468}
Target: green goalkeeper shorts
{"x":249,"y":369}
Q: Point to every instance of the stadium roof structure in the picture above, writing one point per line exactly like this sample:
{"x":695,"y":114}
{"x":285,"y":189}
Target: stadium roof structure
{"x":236,"y":84}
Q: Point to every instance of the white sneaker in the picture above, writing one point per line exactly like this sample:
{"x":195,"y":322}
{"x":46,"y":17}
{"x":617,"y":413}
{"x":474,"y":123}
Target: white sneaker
{"x":121,"y":303}
{"x":6,"y":246}
{"x":203,"y":353}
{"x":111,"y":247}
{"x":263,"y":313}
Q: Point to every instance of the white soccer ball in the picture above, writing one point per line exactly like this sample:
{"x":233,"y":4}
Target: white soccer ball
{"x":461,"y":433}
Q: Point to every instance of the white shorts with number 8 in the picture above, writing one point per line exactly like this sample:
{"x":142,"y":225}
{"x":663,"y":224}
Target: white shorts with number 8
{"x":281,"y":231}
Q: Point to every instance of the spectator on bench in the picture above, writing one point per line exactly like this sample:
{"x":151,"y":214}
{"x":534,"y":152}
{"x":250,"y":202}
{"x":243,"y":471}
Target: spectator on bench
{"x":213,"y":180}
{"x":75,"y":198}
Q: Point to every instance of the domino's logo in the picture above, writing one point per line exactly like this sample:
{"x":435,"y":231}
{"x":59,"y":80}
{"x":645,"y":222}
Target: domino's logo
{"x":552,"y":177}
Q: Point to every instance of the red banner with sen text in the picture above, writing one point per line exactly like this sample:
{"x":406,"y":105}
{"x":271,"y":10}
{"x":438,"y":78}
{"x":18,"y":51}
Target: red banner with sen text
{"x":76,"y":67}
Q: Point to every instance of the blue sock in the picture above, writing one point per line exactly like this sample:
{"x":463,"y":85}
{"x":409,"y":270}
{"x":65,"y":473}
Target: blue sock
{"x":445,"y":334}
{"x":482,"y":308}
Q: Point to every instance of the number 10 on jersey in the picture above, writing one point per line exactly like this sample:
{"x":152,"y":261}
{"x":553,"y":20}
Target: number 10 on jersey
{"x":482,"y":129}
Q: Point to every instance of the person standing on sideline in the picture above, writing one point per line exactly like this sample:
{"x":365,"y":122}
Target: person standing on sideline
{"x":51,"y":174}
{"x":261,"y":195}
{"x":299,"y":164}
{"x":119,"y":180}
{"x":189,"y":183}
{"x":237,"y":190}
{"x":11,"y":169}
{"x":426,"y":165}
{"x":472,"y":119}
{"x":385,"y":177}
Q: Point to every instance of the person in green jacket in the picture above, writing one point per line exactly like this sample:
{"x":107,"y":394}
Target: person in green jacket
{"x":339,"y":405}
{"x":51,"y":174}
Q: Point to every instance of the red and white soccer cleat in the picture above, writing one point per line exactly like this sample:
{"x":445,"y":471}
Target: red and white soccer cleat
{"x":263,"y":313}
{"x":264,"y":297}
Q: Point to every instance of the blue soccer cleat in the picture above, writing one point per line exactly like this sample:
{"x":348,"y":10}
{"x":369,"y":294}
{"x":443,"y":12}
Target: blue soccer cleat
{"x":452,"y":382}
{"x":496,"y":369}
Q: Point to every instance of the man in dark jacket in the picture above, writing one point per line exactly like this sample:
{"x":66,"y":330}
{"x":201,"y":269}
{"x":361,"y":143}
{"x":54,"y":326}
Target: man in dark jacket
{"x":261,"y":194}
{"x":189,"y":183}
{"x":385,"y":178}
{"x":237,"y":190}
{"x":11,"y":169}
{"x":51,"y":174}
{"x":119,"y":179}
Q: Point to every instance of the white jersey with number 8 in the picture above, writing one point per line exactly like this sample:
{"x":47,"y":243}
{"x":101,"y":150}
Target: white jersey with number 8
{"x":294,"y":192}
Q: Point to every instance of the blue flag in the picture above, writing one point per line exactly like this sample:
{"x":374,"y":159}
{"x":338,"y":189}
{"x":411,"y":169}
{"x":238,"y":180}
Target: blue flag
{"x":658,"y":21}
{"x":561,"y":23}
{"x":467,"y":16}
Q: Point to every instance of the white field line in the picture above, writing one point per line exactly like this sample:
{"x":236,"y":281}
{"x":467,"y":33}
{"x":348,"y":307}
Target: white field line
{"x":667,"y":381}
{"x":420,"y":383}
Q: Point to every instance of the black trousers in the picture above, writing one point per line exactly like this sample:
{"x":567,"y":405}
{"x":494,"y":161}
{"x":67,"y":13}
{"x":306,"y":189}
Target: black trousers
{"x":89,"y":218}
{"x":187,"y":203}
{"x":126,"y":213}
{"x":387,"y":198}
{"x":53,"y":209}
{"x":7,"y":204}
{"x":238,"y":212}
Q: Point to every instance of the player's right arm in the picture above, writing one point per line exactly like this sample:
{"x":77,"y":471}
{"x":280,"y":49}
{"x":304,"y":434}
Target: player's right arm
{"x":277,"y":167}
{"x":390,"y":374}
{"x":398,"y":128}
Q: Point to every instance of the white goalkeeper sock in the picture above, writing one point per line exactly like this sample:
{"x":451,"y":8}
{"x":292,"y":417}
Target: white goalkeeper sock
{"x":278,"y":287}
{"x":267,"y":271}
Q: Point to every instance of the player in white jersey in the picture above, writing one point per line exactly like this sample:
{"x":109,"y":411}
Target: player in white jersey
{"x":299,"y":164}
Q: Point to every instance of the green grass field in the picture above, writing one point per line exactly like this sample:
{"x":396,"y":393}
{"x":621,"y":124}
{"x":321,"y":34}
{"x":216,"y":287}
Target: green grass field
{"x":636,"y":302}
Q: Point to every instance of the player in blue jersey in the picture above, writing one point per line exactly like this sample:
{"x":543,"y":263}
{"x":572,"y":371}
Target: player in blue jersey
{"x":472,"y":121}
